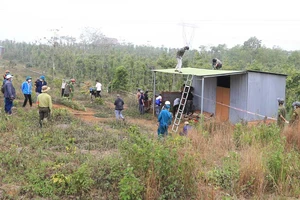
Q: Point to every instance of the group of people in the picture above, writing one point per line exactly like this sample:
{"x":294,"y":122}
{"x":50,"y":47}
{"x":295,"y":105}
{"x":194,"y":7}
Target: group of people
{"x":163,"y":112}
{"x":142,"y":100}
{"x":96,"y":90}
{"x":43,"y":100}
{"x":67,"y":88}
{"x":281,"y":117}
{"x":216,"y":63}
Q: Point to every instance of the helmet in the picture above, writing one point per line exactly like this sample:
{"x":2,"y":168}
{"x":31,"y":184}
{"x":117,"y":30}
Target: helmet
{"x":294,"y":104}
{"x":28,"y":77}
{"x":297,"y":104}
{"x":167,"y":103}
{"x":280,"y":100}
{"x":42,"y":77}
{"x":73,"y":80}
{"x":214,"y":60}
{"x":186,"y":48}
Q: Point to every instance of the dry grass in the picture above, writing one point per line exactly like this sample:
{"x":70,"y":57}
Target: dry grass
{"x":292,"y":135}
{"x":214,"y":145}
{"x":252,"y":172}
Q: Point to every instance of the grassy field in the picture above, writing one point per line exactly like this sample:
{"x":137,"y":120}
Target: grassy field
{"x":87,"y":154}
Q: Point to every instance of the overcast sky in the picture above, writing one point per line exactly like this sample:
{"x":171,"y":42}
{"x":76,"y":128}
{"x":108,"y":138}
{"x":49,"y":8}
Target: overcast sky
{"x":157,"y":22}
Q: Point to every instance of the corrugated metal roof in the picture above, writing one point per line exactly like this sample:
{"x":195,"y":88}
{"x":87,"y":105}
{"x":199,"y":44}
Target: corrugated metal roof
{"x":210,"y":72}
{"x":201,"y":72}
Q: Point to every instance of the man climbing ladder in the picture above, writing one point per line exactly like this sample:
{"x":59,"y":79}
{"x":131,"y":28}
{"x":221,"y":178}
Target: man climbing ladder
{"x":179,"y":55}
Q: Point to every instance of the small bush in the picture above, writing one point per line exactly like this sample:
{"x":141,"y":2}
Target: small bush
{"x":226,"y":175}
{"x":130,"y":186}
{"x":99,"y":101}
{"x":72,"y":104}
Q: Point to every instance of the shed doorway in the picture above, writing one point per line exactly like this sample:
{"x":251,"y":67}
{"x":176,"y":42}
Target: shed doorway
{"x":223,"y":98}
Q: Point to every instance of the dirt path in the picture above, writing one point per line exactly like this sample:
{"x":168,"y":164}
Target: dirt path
{"x":89,"y":117}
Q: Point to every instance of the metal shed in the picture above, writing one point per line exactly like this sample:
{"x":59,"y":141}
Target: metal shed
{"x":235,"y":95}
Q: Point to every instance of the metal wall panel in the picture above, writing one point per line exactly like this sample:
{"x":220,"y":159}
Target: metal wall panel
{"x":210,"y":85}
{"x":238,"y":97}
{"x":263,"y":91}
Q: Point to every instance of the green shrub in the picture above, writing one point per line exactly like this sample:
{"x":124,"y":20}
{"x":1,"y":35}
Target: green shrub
{"x":72,"y":104}
{"x":275,"y":162}
{"x":98,"y":101}
{"x":159,"y":161}
{"x":130,"y":186}
{"x":226,"y":175}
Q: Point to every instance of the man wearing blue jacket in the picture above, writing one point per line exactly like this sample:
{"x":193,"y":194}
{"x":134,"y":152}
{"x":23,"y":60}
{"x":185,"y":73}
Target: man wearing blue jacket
{"x":164,"y":120}
{"x":9,"y":94}
{"x":26,"y":90}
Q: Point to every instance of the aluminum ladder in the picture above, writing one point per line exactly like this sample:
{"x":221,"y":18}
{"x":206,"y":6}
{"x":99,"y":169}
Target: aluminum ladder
{"x":183,"y":100}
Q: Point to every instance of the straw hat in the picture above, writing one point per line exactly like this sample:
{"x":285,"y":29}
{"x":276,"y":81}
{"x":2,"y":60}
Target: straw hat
{"x":45,"y":88}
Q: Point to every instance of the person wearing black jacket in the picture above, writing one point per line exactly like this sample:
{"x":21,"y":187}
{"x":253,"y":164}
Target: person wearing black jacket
{"x":189,"y":103}
{"x":9,"y":94}
{"x":119,"y":107}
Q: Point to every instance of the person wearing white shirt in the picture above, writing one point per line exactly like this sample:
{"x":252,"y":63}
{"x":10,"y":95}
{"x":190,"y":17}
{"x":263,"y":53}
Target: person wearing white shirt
{"x":63,"y":86}
{"x":98,"y":88}
{"x":175,"y":106}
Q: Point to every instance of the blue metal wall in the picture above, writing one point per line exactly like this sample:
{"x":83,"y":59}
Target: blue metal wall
{"x":238,"y":97}
{"x":263,"y":91}
{"x":210,"y":87}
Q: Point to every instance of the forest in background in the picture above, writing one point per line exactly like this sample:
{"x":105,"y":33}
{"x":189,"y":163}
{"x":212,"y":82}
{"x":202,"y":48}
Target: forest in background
{"x":127,"y":67}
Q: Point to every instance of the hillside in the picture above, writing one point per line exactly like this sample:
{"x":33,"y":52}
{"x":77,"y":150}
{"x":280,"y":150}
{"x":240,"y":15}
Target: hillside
{"x":89,"y":155}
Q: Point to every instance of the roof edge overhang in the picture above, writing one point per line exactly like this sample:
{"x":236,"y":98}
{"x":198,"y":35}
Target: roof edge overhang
{"x":208,"y":73}
{"x":205,"y":73}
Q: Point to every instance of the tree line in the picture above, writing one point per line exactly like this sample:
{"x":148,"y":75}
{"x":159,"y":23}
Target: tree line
{"x":126,"y":66}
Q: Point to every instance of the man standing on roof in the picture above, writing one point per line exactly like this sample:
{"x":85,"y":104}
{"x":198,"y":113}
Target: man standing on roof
{"x":9,"y":94}
{"x":281,"y":113}
{"x":164,"y":120}
{"x":179,"y":55}
{"x":216,"y":63}
{"x":26,"y":90}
